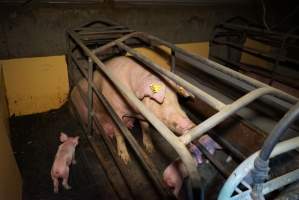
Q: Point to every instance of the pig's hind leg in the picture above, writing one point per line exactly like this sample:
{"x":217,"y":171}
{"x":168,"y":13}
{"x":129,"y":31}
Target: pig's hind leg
{"x":65,"y":179}
{"x":55,"y":184}
{"x":73,"y":159}
{"x":146,"y":138}
{"x":121,"y":147}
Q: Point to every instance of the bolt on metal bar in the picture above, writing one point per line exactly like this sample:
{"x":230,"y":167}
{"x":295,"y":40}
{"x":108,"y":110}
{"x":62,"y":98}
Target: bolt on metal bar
{"x":145,"y":160}
{"x":226,"y":112}
{"x":90,"y":94}
{"x":210,"y":100}
{"x":170,"y":137}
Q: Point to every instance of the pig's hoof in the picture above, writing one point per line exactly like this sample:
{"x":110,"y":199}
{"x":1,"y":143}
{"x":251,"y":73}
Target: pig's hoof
{"x":67,"y":187}
{"x":147,"y":142}
{"x":124,"y":155}
{"x":56,"y":190}
{"x":149,"y":147}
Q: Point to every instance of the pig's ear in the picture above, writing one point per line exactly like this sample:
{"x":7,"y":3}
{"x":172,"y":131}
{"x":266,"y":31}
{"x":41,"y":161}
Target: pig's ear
{"x":63,"y":137}
{"x":152,"y":88}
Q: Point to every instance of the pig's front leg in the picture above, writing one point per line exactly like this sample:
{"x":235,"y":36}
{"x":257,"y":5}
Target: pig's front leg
{"x":121,"y":147}
{"x":146,"y":138}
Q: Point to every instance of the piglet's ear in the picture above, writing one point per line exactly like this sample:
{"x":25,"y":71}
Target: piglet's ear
{"x":77,"y":139}
{"x":63,"y":137}
{"x":154,"y":89}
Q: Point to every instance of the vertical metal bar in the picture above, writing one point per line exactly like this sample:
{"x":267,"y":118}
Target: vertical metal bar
{"x":90,"y":97}
{"x":172,"y":60}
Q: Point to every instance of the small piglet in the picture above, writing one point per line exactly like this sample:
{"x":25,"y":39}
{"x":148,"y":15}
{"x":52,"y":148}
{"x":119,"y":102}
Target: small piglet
{"x":65,"y":156}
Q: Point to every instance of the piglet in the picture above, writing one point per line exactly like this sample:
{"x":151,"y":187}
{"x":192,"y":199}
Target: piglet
{"x":65,"y":156}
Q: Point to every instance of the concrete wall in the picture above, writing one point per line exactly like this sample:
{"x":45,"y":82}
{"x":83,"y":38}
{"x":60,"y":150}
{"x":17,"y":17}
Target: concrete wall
{"x":10,"y":178}
{"x":40,"y":30}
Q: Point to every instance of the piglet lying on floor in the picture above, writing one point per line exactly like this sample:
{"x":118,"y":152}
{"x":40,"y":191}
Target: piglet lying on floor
{"x":65,"y":156}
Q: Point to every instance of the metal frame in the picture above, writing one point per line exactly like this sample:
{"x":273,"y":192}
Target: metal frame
{"x":256,"y":88}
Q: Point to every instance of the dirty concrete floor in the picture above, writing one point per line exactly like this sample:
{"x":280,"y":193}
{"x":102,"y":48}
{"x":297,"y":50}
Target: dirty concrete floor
{"x":35,"y":139}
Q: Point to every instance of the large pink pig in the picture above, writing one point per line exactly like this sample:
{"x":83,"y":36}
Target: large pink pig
{"x":158,"y":97}
{"x":65,"y":156}
{"x":137,"y":80}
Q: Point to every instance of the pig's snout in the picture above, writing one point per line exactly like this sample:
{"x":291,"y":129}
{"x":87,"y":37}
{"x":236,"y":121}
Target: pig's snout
{"x":183,"y":125}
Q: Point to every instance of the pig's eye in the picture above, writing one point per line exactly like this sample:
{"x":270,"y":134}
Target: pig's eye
{"x":174,"y":124}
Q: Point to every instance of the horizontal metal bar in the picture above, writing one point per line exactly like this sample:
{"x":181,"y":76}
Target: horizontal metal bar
{"x":210,"y":100}
{"x":280,"y":181}
{"x":262,"y":31}
{"x":104,"y":32}
{"x":269,"y":56}
{"x":179,"y":147}
{"x":113,"y":43}
{"x":224,"y":113}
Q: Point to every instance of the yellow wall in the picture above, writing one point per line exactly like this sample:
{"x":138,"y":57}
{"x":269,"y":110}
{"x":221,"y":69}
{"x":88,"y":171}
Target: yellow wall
{"x":35,"y":85}
{"x":163,"y":57}
{"x":10,"y":178}
{"x":253,"y":60}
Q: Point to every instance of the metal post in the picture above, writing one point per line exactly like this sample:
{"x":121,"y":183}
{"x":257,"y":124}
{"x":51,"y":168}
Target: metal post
{"x":90,"y":97}
{"x":172,"y":60}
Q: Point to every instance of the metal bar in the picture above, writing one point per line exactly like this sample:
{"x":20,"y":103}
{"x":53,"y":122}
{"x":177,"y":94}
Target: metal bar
{"x":210,"y":100}
{"x":105,"y":32}
{"x":145,"y":160}
{"x":113,"y":43}
{"x":246,"y":166}
{"x":90,"y":96}
{"x":135,"y":102}
{"x":280,"y":181}
{"x":172,"y":60}
{"x":224,"y":113}
{"x":254,"y":52}
{"x":231,"y":25}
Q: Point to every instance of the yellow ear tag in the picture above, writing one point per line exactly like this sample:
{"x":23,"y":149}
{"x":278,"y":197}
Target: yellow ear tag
{"x":155,"y":87}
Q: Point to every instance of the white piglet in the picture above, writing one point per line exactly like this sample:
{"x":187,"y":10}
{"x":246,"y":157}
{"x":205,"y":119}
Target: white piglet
{"x":65,"y":156}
